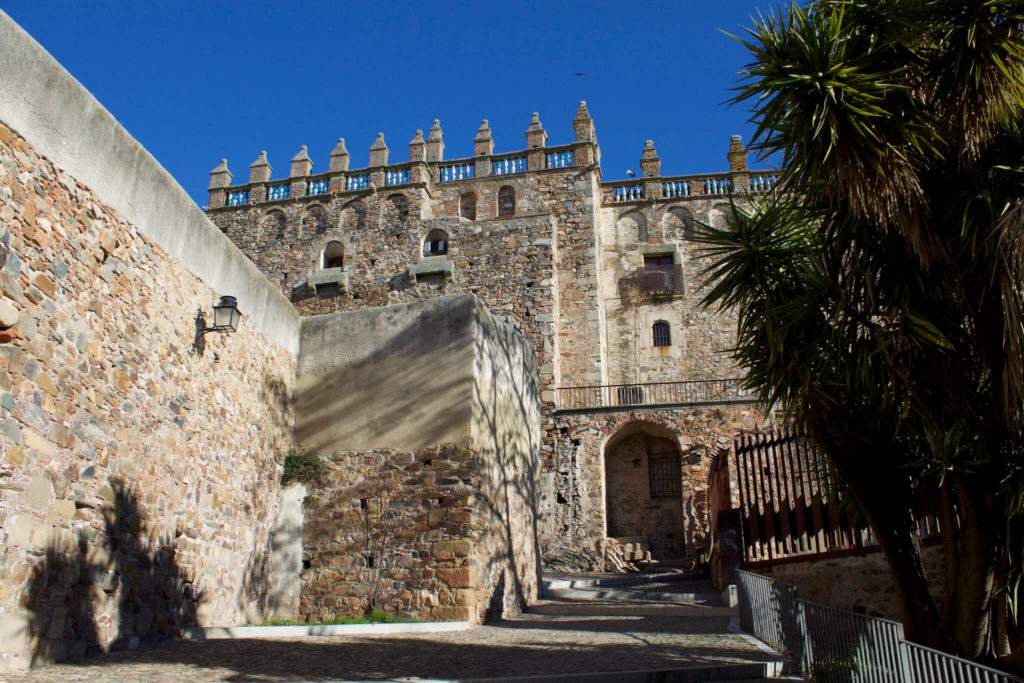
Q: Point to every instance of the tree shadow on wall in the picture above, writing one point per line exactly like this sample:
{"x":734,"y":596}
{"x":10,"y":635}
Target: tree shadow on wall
{"x":113,"y":590}
{"x":506,"y":408}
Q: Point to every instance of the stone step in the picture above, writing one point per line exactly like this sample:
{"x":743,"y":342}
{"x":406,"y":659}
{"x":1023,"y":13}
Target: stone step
{"x":626,"y":610}
{"x":748,"y":672}
{"x":598,"y":593}
{"x":623,"y":580}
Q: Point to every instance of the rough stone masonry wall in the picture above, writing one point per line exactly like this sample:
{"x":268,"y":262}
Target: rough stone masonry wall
{"x":136,"y":473}
{"x":699,"y":337}
{"x":858,"y":582}
{"x":425,"y":507}
{"x":463,"y":513}
{"x":577,"y":526}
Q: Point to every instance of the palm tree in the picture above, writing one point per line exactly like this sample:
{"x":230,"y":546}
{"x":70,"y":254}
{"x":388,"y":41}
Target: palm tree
{"x":881,"y":292}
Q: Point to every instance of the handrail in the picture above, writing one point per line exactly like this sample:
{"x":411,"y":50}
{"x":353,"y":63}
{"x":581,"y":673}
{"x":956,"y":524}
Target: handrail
{"x":627,"y":396}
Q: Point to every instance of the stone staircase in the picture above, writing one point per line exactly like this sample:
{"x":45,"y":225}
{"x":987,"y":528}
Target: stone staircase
{"x":663,"y":602}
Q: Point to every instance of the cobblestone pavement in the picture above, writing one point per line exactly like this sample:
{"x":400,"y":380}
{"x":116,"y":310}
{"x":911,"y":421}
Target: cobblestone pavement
{"x":533,"y":644}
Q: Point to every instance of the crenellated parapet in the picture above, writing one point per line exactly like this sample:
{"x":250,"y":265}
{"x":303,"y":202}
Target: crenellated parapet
{"x":652,"y":186}
{"x":426,"y":166}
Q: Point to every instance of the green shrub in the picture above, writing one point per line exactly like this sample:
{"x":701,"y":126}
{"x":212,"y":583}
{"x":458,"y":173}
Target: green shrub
{"x":304,"y":469}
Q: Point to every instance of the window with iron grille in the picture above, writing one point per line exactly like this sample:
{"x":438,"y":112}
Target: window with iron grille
{"x":506,"y":201}
{"x":662,"y":336}
{"x":630,"y":396}
{"x":666,"y":475}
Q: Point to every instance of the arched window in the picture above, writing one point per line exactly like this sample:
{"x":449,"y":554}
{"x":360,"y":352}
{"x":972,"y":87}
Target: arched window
{"x":274,"y":223}
{"x":397,"y":208}
{"x":467,"y":206}
{"x":506,"y":201}
{"x":662,"y":334}
{"x":678,"y":223}
{"x":334,"y":255}
{"x":315,"y":221}
{"x":353,"y":216}
{"x":436,"y":243}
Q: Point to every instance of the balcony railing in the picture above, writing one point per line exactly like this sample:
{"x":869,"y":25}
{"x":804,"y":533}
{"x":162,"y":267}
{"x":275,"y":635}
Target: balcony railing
{"x":508,"y":166}
{"x":357,"y":182}
{"x":275,"y":192}
{"x":238,"y":198}
{"x":399,"y":177}
{"x":452,"y":172}
{"x":628,"y":193}
{"x":661,"y":280}
{"x":628,"y":396}
{"x":316,"y":187}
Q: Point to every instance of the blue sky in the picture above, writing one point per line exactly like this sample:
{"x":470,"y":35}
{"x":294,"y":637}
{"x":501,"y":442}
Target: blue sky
{"x":195,"y":82}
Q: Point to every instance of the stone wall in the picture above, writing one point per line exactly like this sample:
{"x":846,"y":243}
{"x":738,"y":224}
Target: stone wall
{"x":862,"y":582}
{"x":699,"y":338}
{"x":135,"y":471}
{"x":445,"y":532}
{"x":576,"y":522}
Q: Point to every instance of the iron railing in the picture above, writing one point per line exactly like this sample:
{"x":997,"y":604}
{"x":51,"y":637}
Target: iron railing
{"x":836,"y":645}
{"x":653,"y":393}
{"x":922,"y":663}
{"x":664,"y":279}
{"x":840,"y":645}
{"x":768,"y":610}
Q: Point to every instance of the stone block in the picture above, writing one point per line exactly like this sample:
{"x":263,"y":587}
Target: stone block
{"x":461,"y":577}
{"x":452,"y":549}
{"x":460,"y":613}
{"x":39,"y":495}
{"x":37,"y":443}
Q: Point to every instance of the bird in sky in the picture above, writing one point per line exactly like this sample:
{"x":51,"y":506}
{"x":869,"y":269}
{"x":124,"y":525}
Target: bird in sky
{"x":630,"y":173}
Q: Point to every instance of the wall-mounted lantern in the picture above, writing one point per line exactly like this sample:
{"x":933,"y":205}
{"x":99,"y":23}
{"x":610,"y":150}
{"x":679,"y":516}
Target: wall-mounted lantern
{"x":226,"y":317}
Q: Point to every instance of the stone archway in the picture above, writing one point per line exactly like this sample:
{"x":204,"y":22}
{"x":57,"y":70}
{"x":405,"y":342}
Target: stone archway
{"x":643,"y":490}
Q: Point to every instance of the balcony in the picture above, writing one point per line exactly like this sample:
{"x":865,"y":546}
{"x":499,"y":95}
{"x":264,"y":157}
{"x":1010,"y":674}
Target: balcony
{"x":329,"y":277}
{"x":432,"y":265}
{"x":661,"y":280}
{"x":653,"y":394}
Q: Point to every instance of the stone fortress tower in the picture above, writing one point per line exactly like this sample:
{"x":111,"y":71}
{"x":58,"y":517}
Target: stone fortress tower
{"x":602,"y":278}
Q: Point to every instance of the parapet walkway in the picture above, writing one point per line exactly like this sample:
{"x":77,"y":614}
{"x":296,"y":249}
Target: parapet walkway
{"x":669,"y":628}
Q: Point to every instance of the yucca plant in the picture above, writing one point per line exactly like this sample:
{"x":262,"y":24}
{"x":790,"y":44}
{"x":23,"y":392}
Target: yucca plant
{"x":881,"y":292}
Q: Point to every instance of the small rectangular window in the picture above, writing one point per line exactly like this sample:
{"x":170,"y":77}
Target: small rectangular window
{"x":665,"y":474}
{"x":662,"y":336}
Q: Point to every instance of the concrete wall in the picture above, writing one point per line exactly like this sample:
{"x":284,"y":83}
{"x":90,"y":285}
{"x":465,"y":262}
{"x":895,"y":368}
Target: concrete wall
{"x":66,"y":124}
{"x":506,"y":433}
{"x":391,"y":377}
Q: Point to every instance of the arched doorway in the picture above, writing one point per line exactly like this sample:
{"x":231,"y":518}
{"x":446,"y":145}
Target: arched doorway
{"x":643,"y":490}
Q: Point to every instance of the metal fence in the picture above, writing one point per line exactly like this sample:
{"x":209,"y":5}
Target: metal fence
{"x":768,"y":610}
{"x":653,"y":393}
{"x":839,"y":646}
{"x":925,"y":664}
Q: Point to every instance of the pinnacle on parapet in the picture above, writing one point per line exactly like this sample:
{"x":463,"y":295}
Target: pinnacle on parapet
{"x":650,"y":164}
{"x":301,"y":163}
{"x":260,"y":170}
{"x":582,"y":125}
{"x":536,"y":136}
{"x":483,"y":143}
{"x":435,"y":143}
{"x":339,"y":157}
{"x":379,"y":151}
{"x":737,"y":155}
{"x":220,"y":176}
{"x":418,"y":148}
